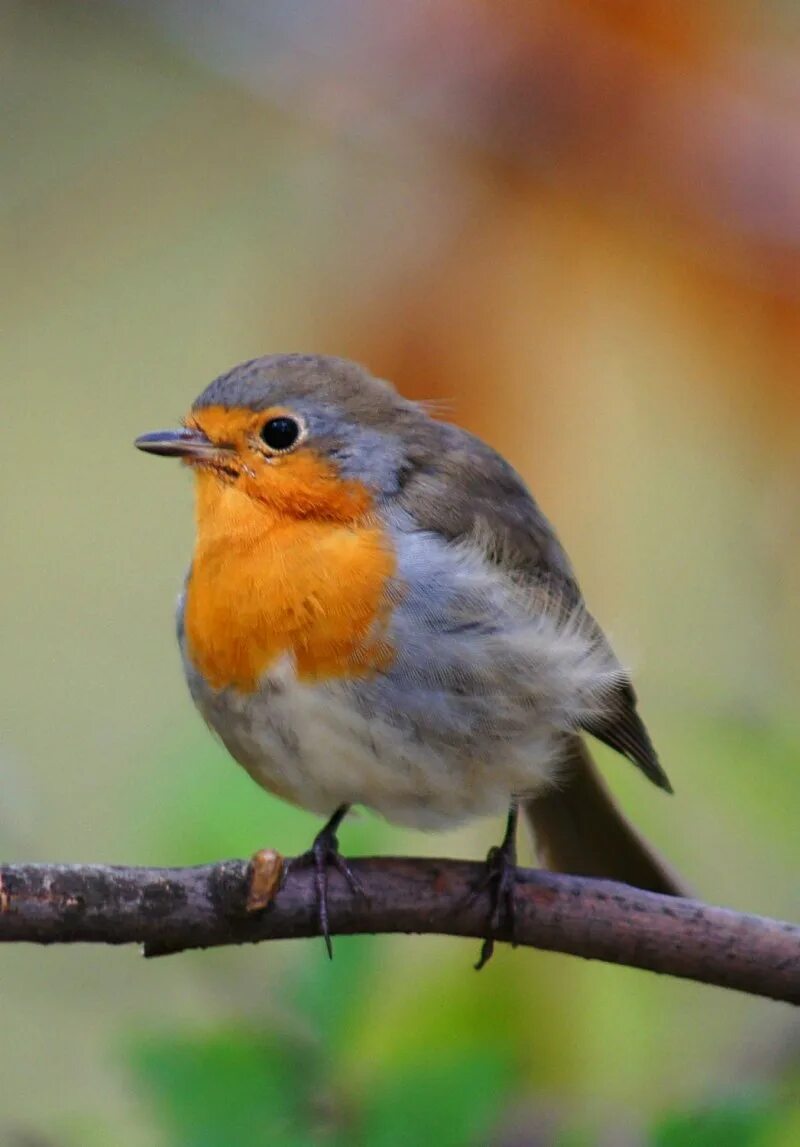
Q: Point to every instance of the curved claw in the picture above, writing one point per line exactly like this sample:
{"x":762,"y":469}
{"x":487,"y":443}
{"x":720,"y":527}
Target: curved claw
{"x":324,"y":854}
{"x":499,"y":881}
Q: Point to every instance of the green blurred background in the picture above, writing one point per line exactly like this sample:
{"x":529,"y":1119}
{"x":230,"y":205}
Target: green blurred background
{"x":578,"y":223}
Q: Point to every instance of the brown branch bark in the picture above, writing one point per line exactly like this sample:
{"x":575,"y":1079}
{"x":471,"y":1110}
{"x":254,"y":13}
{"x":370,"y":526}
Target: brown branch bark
{"x":174,"y":909}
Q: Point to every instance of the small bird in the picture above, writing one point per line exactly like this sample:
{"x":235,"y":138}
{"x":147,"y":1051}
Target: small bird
{"x":378,"y":613}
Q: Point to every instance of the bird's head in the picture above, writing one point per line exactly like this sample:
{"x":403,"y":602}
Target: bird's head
{"x":305,"y":436}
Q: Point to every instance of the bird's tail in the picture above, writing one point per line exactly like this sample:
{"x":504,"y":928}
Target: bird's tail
{"x":578,"y":828}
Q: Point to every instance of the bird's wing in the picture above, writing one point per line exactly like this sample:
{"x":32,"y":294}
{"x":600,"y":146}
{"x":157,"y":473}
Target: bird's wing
{"x":458,"y":487}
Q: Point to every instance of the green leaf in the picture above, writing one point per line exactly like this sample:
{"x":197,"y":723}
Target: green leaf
{"x":452,"y":1103}
{"x":225,"y":1089}
{"x":740,"y":1122}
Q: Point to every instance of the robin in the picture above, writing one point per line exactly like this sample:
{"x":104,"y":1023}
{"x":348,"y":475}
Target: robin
{"x":378,"y":613}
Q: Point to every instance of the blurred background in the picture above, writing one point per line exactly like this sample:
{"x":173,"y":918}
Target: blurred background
{"x":577,"y":222}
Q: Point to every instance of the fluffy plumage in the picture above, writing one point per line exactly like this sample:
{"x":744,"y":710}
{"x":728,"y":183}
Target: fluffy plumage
{"x":491,"y":663}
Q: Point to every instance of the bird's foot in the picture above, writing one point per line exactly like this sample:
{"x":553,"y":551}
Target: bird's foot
{"x":499,"y":880}
{"x":322,"y":856}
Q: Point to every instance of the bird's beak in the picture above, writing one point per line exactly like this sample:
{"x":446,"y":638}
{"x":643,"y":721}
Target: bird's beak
{"x":184,"y":443}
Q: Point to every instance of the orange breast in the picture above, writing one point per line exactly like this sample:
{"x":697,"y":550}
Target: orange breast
{"x":264,"y":585}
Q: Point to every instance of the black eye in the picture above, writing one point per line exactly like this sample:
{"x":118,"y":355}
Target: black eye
{"x":280,"y":433}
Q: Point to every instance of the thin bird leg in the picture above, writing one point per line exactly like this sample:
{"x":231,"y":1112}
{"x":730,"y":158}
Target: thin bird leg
{"x":498,"y":881}
{"x":323,"y":854}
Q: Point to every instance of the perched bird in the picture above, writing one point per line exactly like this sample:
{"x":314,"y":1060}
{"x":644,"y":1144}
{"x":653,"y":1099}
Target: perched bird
{"x":378,"y":613}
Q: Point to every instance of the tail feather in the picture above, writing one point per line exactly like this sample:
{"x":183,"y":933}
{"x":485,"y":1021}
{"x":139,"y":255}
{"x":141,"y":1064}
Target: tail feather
{"x":578,"y":828}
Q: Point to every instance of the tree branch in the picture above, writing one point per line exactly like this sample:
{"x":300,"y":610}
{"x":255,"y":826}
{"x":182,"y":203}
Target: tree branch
{"x":174,"y":909}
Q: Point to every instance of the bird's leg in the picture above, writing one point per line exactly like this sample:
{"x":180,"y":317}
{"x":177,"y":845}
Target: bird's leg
{"x":498,"y":880}
{"x":324,"y":852}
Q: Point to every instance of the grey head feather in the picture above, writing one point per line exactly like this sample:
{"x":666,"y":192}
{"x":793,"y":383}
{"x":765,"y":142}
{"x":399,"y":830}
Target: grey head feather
{"x":284,"y":379}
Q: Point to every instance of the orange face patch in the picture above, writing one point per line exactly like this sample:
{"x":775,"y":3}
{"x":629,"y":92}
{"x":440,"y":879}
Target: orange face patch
{"x":288,"y":560}
{"x":300,"y":483}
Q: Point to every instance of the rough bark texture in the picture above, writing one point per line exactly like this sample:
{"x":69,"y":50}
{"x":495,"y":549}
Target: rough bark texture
{"x":173,"y":909}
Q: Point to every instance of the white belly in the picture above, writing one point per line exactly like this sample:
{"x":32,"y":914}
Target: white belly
{"x":314,"y":746}
{"x":487,"y":680}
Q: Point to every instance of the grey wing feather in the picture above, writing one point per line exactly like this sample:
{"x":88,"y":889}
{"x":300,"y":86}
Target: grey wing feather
{"x":626,"y":732}
{"x":456,"y":486}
